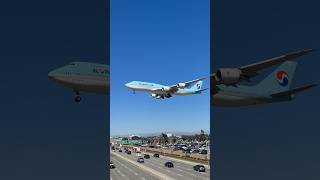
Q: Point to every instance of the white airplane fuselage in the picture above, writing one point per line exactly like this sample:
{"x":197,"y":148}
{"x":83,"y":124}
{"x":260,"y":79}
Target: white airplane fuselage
{"x":149,"y":87}
{"x":83,"y":76}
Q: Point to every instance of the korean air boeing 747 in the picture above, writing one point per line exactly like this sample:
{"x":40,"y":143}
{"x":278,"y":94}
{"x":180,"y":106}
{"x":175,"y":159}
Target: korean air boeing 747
{"x":159,"y":91}
{"x":83,"y":76}
{"x":276,"y":87}
{"x":225,"y":88}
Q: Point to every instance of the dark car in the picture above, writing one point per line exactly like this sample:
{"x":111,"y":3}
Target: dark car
{"x":146,"y":156}
{"x":140,"y":160}
{"x":120,"y":150}
{"x":112,"y":166}
{"x":199,"y":168}
{"x":168,"y":164}
{"x":203,"y":151}
{"x":156,"y":155}
{"x":128,"y":152}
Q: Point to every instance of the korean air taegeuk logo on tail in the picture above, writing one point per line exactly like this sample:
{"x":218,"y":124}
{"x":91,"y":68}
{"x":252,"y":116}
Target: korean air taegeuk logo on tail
{"x":282,"y":78}
{"x":198,"y":86}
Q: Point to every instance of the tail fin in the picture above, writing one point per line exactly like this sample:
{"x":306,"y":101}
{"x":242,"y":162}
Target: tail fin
{"x":280,"y":79}
{"x":196,"y":86}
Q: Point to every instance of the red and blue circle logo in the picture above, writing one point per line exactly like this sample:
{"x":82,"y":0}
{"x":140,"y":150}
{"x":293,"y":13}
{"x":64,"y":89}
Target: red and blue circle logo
{"x":198,"y":86}
{"x":282,"y":78}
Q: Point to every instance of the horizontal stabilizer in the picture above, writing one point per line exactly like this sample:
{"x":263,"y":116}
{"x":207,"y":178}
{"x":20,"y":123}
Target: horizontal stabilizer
{"x":293,"y":91}
{"x":202,"y":90}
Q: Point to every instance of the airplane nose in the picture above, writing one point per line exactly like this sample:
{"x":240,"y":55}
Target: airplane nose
{"x":128,"y":85}
{"x":51,"y":75}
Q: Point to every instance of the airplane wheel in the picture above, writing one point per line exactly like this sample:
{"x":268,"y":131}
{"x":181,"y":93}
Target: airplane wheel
{"x":77,"y":99}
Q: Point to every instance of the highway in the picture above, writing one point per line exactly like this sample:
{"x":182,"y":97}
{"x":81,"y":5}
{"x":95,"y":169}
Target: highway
{"x":181,"y":171}
{"x":128,"y":171}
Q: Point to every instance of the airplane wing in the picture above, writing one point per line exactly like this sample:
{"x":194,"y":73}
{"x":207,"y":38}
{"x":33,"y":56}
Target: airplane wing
{"x":172,"y":89}
{"x":249,"y":71}
{"x":184,"y":84}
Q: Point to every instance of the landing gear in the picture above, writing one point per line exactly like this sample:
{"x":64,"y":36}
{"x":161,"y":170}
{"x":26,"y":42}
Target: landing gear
{"x":77,"y":99}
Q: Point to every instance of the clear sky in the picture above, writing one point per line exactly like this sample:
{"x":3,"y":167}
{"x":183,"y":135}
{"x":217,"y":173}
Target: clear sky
{"x":275,"y":141}
{"x":164,"y":42}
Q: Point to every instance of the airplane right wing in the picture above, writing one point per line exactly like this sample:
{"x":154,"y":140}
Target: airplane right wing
{"x":231,"y":76}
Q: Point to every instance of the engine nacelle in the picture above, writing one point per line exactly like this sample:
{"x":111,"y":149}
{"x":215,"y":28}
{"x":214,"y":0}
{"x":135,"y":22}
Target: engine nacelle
{"x":228,"y":76}
{"x":181,"y":85}
{"x":156,"y":96}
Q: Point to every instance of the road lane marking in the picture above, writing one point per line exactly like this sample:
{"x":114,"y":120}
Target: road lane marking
{"x":158,"y":174}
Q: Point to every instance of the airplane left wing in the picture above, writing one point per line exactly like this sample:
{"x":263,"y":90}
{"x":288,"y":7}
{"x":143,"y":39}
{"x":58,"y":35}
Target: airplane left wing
{"x":231,"y":76}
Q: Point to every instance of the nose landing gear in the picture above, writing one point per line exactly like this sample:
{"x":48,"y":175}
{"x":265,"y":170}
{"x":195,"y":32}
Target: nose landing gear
{"x":77,"y":99}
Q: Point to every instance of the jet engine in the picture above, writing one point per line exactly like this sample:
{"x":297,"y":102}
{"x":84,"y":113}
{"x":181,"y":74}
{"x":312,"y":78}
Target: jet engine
{"x":159,"y":97}
{"x":181,"y":85}
{"x":156,"y":96}
{"x":228,"y":76}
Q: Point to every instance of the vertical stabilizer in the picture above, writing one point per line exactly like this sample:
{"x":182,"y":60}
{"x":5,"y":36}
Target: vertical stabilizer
{"x":280,"y":79}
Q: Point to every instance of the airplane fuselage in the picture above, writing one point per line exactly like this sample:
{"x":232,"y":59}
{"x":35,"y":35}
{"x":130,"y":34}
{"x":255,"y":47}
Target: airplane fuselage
{"x":82,"y":76}
{"x":149,"y":87}
{"x":235,"y":96}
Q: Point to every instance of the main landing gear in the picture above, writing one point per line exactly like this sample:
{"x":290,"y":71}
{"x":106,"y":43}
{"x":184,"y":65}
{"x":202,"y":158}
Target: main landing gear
{"x":77,"y":99}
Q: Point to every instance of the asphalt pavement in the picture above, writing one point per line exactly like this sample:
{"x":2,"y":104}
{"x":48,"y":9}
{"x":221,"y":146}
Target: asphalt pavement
{"x":181,"y":171}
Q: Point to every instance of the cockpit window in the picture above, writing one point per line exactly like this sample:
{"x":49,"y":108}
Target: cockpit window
{"x":72,"y":64}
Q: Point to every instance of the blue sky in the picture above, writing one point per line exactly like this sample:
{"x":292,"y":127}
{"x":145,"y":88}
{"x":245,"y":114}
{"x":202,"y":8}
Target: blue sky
{"x":164,"y":42}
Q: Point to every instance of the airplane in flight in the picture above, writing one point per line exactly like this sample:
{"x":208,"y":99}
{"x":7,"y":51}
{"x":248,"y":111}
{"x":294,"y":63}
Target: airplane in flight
{"x":83,"y":76}
{"x":159,"y":91}
{"x":226,"y":91}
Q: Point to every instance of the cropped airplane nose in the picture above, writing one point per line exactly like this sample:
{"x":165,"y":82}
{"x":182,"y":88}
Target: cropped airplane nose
{"x":128,"y":85}
{"x":51,"y":75}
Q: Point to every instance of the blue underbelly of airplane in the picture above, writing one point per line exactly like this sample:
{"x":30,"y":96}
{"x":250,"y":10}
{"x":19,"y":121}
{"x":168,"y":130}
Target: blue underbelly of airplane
{"x":92,"y":84}
{"x":230,"y":100}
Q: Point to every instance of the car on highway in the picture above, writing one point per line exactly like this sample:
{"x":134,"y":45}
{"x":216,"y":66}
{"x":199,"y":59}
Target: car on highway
{"x":146,"y":156}
{"x":156,"y":155}
{"x":140,"y":160}
{"x":112,"y":166}
{"x":199,"y":168}
{"x":139,"y":154}
{"x":120,"y":150}
{"x":169,"y":164}
{"x":129,"y":152}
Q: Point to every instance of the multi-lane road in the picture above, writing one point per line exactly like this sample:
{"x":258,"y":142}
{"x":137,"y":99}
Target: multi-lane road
{"x":128,"y":171}
{"x":152,"y":169}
